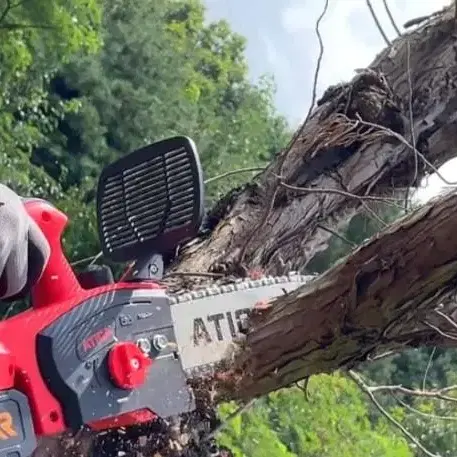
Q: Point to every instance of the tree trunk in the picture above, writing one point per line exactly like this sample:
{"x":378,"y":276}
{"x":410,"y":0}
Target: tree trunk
{"x":351,"y":151}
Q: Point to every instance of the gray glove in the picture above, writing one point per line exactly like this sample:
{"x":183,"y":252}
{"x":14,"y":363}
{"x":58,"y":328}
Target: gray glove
{"x":24,"y":251}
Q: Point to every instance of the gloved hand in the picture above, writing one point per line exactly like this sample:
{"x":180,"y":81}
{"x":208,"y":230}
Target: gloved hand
{"x":24,"y":251}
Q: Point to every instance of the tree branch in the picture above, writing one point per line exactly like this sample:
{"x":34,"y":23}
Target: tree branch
{"x":391,"y":18}
{"x":378,"y":24}
{"x":375,"y":299}
{"x":365,"y":388}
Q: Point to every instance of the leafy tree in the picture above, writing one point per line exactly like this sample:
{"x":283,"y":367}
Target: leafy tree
{"x":35,"y":37}
{"x":433,"y":421}
{"x":335,"y":421}
{"x":162,"y":71}
{"x":239,"y":126}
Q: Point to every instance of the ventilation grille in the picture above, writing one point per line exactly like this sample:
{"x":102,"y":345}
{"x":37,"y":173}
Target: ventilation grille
{"x":140,"y":203}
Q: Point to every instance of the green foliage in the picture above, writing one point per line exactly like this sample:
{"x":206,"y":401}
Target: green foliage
{"x":434,"y":421}
{"x":162,"y":71}
{"x":335,"y":422}
{"x":35,"y":37}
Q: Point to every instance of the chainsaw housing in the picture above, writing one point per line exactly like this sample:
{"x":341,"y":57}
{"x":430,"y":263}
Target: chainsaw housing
{"x":105,"y":353}
{"x":73,"y":355}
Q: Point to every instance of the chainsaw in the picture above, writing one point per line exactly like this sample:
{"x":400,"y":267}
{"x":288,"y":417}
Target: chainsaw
{"x":93,"y":352}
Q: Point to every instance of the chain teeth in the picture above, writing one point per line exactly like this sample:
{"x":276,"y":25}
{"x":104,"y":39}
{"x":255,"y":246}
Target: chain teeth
{"x":238,"y":285}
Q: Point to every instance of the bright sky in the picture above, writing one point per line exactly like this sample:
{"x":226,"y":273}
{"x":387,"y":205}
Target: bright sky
{"x":351,"y":39}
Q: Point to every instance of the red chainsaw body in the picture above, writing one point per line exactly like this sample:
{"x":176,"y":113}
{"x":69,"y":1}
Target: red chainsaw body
{"x":57,"y":293}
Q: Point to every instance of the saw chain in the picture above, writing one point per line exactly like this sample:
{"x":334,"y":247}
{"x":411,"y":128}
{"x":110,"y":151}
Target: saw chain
{"x":239,"y":285}
{"x":208,"y":320}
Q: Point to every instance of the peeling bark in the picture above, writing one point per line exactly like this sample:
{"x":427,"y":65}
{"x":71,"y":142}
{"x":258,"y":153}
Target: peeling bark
{"x":338,"y":154}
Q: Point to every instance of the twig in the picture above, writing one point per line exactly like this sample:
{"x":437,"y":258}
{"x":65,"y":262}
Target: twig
{"x":383,"y":355}
{"x":8,"y":7}
{"x":404,"y":141}
{"x":391,"y":18}
{"x":6,"y":10}
{"x":436,"y":394}
{"x":365,"y":388}
{"x":411,"y":120}
{"x":233,"y":172}
{"x":420,"y":19}
{"x":378,"y":24}
{"x":343,"y":193}
{"x":421,"y":413}
{"x":304,"y":388}
{"x":92,"y":259}
{"x":447,"y":318}
{"x":440,"y":332}
{"x":429,"y":364}
{"x":304,"y":189}
{"x":318,"y":63}
{"x":346,"y":194}
{"x":299,"y":132}
{"x":9,"y":310}
{"x":375,"y":216}
{"x":229,"y":418}
{"x":338,"y":235}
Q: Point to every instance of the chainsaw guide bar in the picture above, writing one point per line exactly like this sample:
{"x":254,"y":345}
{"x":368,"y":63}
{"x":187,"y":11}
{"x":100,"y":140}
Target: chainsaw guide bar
{"x":207,"y":321}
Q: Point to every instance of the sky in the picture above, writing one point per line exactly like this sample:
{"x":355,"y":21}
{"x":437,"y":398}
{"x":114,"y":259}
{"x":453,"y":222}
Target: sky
{"x":281,"y":41}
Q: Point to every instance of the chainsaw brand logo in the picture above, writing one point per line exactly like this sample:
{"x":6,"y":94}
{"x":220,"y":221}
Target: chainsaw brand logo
{"x":7,"y":427}
{"x":222,"y":326}
{"x":102,"y":336}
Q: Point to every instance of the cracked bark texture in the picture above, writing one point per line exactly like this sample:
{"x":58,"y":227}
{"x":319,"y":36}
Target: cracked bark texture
{"x":383,"y":296}
{"x":332,"y":154}
{"x":385,"y":293}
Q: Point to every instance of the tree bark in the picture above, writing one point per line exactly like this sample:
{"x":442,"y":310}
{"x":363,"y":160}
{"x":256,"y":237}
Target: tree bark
{"x":386,"y":295}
